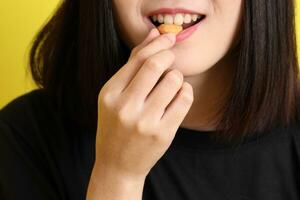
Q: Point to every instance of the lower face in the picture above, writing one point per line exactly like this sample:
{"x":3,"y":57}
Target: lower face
{"x":214,"y":36}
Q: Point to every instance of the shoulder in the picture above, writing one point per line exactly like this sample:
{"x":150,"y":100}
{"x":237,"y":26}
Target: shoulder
{"x":293,"y":132}
{"x":35,"y":144}
{"x":22,"y":107}
{"x":31,"y":117}
{"x":28,"y":109}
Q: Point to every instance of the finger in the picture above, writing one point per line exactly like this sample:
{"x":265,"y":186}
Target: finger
{"x":151,"y":35}
{"x":148,"y":75}
{"x":120,"y":75}
{"x":131,"y":68}
{"x":163,"y":93}
{"x":162,"y":42}
{"x":178,"y":108}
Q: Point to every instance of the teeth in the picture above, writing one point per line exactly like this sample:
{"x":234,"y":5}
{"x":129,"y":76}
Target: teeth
{"x":160,"y":18}
{"x":187,"y":18}
{"x":154,"y":18}
{"x":195,"y":17}
{"x":178,"y":19}
{"x":168,"y":19}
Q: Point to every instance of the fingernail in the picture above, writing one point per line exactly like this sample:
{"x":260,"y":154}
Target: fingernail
{"x":154,"y":32}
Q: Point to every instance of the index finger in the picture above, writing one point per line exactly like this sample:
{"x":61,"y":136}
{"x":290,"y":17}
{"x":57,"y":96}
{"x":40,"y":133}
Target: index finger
{"x":124,"y":75}
{"x":151,"y":35}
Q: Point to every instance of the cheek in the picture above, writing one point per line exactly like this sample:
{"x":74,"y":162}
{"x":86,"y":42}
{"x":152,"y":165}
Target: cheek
{"x":210,"y":43}
{"x":225,"y":23}
{"x":131,"y":28}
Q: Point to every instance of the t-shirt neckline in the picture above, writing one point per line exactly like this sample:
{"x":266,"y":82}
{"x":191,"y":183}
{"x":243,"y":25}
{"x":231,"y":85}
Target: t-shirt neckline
{"x":192,"y":139}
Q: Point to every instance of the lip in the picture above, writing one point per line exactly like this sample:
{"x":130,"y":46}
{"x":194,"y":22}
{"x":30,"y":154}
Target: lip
{"x":183,"y":34}
{"x":188,"y":32}
{"x":172,"y":11}
{"x":148,"y":22}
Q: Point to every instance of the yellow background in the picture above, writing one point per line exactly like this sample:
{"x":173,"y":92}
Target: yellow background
{"x":19,"y":21}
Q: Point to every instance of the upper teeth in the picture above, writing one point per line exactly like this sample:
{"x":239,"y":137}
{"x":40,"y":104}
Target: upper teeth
{"x":177,"y":19}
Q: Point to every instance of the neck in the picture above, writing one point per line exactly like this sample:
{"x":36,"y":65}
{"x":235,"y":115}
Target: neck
{"x":210,"y":90}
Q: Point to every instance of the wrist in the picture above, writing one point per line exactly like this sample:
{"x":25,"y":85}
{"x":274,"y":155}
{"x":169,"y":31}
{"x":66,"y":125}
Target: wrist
{"x":106,"y":183}
{"x":114,"y":171}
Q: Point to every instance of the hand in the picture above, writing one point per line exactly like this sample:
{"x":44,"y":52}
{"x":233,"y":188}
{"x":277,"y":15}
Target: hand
{"x":140,"y":110}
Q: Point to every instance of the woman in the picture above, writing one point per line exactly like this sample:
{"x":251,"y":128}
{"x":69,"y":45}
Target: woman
{"x":124,"y":112}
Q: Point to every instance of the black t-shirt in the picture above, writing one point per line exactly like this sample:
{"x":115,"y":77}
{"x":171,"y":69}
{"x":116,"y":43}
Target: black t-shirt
{"x":42,"y":157}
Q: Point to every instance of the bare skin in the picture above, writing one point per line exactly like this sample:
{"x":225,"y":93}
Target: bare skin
{"x":210,"y":91}
{"x":202,"y":58}
{"x":139,"y":111}
{"x":161,"y":87}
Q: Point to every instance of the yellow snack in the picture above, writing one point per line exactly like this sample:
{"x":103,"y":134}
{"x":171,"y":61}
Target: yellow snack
{"x":169,"y":28}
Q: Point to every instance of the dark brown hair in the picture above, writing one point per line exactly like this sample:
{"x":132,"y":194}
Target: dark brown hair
{"x":79,"y":49}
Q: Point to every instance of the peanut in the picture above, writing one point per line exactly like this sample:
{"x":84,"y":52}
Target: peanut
{"x":169,"y":28}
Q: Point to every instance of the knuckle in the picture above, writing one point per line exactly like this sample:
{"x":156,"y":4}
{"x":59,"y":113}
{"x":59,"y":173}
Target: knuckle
{"x":105,"y":89}
{"x":102,"y":92}
{"x":100,"y":96}
{"x":122,"y":116}
{"x":134,"y":52}
{"x":154,"y":65}
{"x":175,"y":76}
{"x":141,"y":55}
{"x":106,"y":98}
{"x":141,"y":127}
{"x":188,"y":88}
{"x":103,"y":96}
{"x":187,"y":96}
